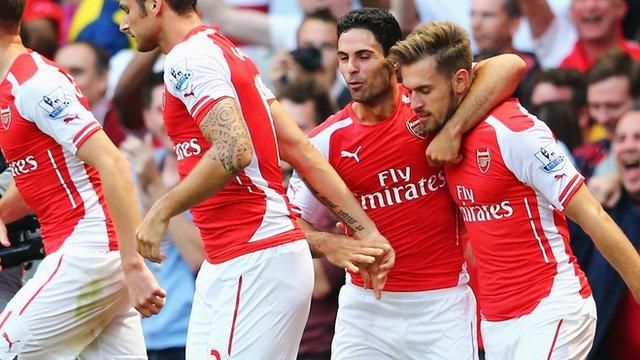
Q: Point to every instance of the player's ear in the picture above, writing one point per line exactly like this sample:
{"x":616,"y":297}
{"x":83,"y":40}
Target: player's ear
{"x":460,"y":81}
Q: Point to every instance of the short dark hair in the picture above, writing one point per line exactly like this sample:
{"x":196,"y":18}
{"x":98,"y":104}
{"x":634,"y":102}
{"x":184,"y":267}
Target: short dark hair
{"x":302,"y":91}
{"x":446,"y":41}
{"x":155,"y":79}
{"x":101,"y":54}
{"x":562,"y":119}
{"x":11,"y":15}
{"x":613,"y":63}
{"x":512,"y":8}
{"x":381,"y":23}
{"x":180,"y":7}
{"x":570,"y":78}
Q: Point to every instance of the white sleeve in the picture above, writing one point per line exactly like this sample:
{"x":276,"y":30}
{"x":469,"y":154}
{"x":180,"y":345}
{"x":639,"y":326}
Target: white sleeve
{"x":198,"y":76}
{"x":556,"y":43}
{"x":52,"y":101}
{"x":537,"y":160}
{"x":304,"y":204}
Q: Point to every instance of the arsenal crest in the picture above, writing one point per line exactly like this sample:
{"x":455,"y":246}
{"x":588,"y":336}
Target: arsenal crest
{"x":483,"y":159}
{"x":5,"y":116}
{"x":416,"y":128}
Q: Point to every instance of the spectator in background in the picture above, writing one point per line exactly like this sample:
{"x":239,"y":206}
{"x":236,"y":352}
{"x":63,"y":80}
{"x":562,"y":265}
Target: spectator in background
{"x":567,"y":85}
{"x":494,"y":24}
{"x":41,"y":26}
{"x":598,"y":24}
{"x":618,"y":314}
{"x":612,"y":84}
{"x":97,"y":21}
{"x":155,"y":172}
{"x":563,"y":122}
{"x":88,"y":63}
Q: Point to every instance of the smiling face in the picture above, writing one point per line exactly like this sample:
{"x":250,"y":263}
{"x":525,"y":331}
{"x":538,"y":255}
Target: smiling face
{"x":363,"y":65}
{"x":597,"y":20}
{"x":627,"y":151}
{"x":140,"y":23}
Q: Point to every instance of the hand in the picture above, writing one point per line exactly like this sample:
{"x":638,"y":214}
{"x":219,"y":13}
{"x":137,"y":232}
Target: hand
{"x":149,"y":234}
{"x":144,"y":292}
{"x":4,"y":237}
{"x":606,"y":189}
{"x":374,"y":274}
{"x":346,"y":252}
{"x":444,"y":149}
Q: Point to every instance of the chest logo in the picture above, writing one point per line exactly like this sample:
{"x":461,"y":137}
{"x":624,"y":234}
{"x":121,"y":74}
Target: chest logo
{"x":354,"y":155}
{"x":551,"y":161}
{"x":416,"y":128}
{"x":483,"y":159}
{"x":180,"y":75}
{"x":5,"y":116}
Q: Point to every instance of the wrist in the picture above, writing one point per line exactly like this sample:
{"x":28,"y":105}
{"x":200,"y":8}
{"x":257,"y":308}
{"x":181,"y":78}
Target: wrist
{"x":132,"y":263}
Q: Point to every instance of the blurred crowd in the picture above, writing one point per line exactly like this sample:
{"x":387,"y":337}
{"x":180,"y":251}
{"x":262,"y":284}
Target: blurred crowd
{"x":583,"y":80}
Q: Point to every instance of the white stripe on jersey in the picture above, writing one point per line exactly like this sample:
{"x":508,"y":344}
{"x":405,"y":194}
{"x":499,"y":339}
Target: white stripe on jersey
{"x":566,"y":280}
{"x":322,"y":139}
{"x":535,"y":232}
{"x":62,"y":182}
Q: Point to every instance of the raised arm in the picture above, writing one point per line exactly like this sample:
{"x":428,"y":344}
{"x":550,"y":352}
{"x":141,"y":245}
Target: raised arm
{"x":100,"y":153}
{"x":614,"y":245}
{"x":495,"y":79}
{"x":244,"y":24}
{"x":539,"y":14}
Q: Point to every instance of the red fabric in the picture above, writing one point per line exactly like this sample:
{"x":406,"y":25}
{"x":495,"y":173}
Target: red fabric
{"x":623,"y":339}
{"x":42,"y":9}
{"x":113,"y":128}
{"x":579,"y":60}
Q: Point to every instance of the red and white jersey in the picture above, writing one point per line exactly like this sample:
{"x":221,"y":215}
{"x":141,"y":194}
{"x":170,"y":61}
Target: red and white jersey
{"x":251,"y":212}
{"x":385,"y":167}
{"x":45,"y":120}
{"x":510,"y":188}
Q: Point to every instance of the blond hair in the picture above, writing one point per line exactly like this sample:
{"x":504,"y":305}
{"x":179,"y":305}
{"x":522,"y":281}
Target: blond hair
{"x":446,"y":41}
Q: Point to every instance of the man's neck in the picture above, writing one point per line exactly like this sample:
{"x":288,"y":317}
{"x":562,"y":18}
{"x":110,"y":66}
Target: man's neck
{"x":10,"y":48}
{"x":176,"y":28}
{"x":593,"y":49}
{"x":381,"y":108}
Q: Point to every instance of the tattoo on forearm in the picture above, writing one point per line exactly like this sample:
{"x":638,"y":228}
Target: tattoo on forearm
{"x":349,"y":220}
{"x":225,"y":129}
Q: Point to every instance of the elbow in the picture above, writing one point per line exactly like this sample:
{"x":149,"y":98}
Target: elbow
{"x":239,"y":159}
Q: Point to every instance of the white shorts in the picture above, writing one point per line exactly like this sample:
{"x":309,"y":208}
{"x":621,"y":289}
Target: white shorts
{"x":75,"y":306}
{"x":252,"y":307}
{"x":435,"y":324}
{"x":560,"y":329}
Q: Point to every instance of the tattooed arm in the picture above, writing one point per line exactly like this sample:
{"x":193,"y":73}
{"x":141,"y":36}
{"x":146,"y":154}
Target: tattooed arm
{"x":230,"y":152}
{"x":330,"y":190}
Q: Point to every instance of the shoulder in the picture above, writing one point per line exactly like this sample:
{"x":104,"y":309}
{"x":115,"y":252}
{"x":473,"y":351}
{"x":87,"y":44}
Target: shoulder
{"x":335,"y":122}
{"x":511,"y":116}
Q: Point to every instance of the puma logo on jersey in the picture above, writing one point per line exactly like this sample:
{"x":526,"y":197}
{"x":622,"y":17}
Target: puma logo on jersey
{"x":354,"y":155}
{"x":6,"y":337}
{"x":70,"y":119}
{"x":190,"y":94}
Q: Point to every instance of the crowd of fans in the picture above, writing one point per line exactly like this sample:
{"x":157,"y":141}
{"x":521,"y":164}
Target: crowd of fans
{"x":583,"y":80}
